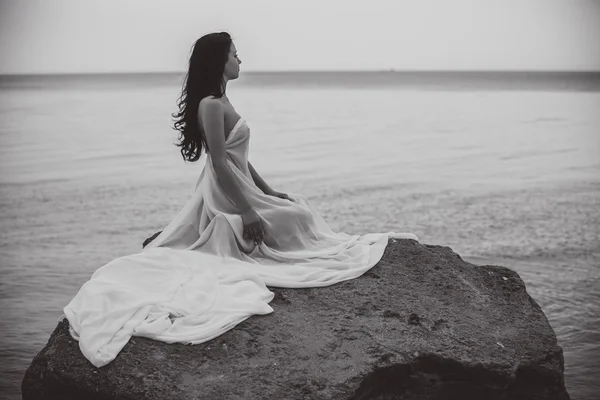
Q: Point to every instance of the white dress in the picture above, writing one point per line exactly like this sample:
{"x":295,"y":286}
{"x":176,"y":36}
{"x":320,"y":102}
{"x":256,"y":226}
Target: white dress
{"x":200,"y":277}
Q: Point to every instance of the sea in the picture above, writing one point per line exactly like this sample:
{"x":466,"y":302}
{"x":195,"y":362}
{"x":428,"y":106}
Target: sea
{"x":503,"y":167}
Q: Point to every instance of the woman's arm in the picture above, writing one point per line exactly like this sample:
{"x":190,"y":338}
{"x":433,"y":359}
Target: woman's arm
{"x":260,"y":182}
{"x":211,"y":113}
{"x":262,"y":185}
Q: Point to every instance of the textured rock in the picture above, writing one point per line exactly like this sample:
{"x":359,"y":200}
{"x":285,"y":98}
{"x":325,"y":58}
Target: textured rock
{"x":422,"y":324}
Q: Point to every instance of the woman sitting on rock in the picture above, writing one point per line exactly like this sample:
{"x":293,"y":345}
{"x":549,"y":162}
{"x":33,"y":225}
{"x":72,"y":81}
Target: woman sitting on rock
{"x":209,"y":269}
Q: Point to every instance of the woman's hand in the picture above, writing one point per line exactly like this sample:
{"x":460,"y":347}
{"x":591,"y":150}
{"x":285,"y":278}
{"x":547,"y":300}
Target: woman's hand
{"x":253,"y":229}
{"x":281,"y":195}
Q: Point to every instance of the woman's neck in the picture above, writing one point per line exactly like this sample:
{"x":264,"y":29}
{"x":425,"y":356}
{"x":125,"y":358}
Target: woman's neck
{"x":224,"y":86}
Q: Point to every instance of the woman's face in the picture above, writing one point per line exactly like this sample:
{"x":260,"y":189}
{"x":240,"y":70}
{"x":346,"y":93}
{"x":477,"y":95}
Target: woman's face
{"x":232,"y":66}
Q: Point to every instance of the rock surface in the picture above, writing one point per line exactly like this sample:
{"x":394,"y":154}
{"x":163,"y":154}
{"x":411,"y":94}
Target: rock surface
{"x":422,"y":324}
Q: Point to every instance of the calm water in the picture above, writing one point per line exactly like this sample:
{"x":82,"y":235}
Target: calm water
{"x":503,"y":168}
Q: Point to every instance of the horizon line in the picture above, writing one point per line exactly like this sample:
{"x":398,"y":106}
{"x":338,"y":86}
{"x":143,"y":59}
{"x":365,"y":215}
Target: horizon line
{"x":388,"y":70}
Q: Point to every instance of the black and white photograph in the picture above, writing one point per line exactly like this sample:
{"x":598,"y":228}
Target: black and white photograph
{"x":315,"y":200}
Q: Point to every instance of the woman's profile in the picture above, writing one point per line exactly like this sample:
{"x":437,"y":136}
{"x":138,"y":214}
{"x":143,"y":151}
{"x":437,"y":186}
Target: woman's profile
{"x":209,"y":268}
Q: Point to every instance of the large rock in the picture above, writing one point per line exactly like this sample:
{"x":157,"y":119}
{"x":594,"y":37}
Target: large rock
{"x":422,"y":324}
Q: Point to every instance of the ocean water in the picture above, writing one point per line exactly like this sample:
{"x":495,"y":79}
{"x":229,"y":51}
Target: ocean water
{"x":502,"y":167}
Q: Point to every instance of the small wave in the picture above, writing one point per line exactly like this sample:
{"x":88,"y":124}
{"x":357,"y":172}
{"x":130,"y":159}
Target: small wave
{"x":545,"y":119}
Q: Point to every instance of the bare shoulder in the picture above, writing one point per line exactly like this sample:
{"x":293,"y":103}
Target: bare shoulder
{"x":210,"y":104}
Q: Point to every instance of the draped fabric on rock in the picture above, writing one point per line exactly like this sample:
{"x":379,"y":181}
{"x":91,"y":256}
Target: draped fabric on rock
{"x":200,"y":277}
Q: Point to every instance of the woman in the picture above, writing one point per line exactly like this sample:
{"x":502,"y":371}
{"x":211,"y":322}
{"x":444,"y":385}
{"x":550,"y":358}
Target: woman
{"x":208,"y":270}
{"x":205,"y":115}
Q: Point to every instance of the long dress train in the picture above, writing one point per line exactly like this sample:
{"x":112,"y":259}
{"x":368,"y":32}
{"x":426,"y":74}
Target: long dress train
{"x":200,"y":277}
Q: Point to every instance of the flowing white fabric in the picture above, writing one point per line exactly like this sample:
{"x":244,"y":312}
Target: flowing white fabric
{"x":200,"y":277}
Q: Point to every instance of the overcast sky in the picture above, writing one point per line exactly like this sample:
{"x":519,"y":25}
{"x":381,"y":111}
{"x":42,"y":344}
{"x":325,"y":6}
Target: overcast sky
{"x":38,"y":36}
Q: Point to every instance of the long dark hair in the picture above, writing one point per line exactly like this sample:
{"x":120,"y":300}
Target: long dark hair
{"x":203,"y":78}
